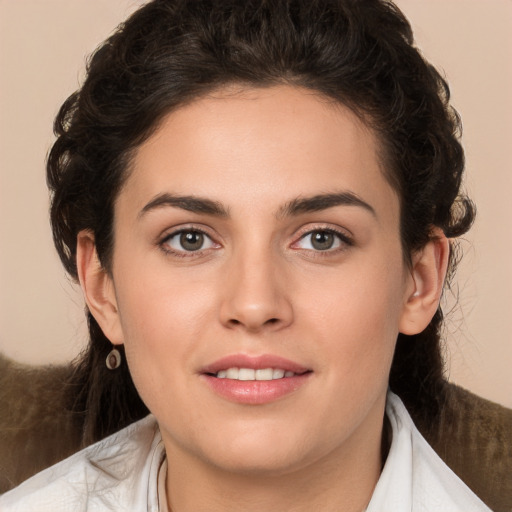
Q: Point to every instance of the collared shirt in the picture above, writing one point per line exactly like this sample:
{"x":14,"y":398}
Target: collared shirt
{"x":415,"y":478}
{"x":121,"y":473}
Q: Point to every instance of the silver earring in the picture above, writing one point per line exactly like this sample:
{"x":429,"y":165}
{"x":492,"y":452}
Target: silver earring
{"x":113,"y":360}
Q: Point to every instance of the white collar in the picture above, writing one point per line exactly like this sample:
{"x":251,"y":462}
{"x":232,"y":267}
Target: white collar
{"x":414,"y":478}
{"x":121,"y":473}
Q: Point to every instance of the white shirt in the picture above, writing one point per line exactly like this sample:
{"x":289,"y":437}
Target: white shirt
{"x":120,"y":473}
{"x":415,"y":478}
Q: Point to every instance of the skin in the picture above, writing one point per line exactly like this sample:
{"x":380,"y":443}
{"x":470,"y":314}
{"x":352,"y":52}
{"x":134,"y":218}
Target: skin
{"x":259,"y":286}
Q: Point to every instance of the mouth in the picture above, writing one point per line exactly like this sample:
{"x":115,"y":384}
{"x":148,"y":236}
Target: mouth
{"x":260,"y":374}
{"x":255,"y":380}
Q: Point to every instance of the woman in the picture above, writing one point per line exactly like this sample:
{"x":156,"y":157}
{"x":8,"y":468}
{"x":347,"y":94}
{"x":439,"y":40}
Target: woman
{"x":257,"y":199}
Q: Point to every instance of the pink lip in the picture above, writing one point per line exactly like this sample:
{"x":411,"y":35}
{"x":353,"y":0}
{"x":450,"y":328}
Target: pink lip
{"x":254,"y":362}
{"x":254,"y":392}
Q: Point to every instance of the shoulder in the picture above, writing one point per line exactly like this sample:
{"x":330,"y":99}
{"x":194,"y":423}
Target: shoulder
{"x":414,"y":477}
{"x":116,"y":470}
{"x":474,"y":437}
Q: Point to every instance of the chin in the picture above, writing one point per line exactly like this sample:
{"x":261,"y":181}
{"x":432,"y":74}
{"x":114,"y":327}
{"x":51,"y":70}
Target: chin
{"x":263,"y":453}
{"x":262,"y":464}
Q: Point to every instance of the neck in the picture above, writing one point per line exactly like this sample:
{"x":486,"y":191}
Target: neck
{"x":342,"y":480}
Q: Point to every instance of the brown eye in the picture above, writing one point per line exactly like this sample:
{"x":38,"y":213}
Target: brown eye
{"x":322,"y":240}
{"x":189,"y":240}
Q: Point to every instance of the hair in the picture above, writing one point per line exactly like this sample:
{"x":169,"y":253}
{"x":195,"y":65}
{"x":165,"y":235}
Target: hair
{"x":359,"y":53}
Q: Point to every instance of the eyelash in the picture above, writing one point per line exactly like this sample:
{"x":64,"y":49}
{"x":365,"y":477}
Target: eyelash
{"x":183,"y":253}
{"x":343,"y":239}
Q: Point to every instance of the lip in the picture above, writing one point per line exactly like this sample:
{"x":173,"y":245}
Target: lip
{"x":254,"y":362}
{"x":254,"y":392}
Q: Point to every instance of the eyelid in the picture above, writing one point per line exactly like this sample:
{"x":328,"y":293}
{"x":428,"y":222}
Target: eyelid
{"x":344,"y":236}
{"x":176,"y":231}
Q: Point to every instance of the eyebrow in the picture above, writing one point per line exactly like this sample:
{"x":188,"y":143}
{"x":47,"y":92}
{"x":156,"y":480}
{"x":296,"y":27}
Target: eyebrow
{"x":295,"y":207}
{"x":189,"y":203}
{"x":323,"y":202}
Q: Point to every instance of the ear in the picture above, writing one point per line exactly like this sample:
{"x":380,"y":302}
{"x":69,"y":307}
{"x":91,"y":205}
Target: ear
{"x":428,"y":272}
{"x":97,"y":287}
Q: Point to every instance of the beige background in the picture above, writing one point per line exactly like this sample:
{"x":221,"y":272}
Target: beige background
{"x":42,"y":48}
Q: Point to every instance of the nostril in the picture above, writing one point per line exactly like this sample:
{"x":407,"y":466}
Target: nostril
{"x":271,"y":321}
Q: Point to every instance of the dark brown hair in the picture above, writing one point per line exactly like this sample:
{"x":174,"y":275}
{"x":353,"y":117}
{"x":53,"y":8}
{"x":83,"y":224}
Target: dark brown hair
{"x":169,"y":52}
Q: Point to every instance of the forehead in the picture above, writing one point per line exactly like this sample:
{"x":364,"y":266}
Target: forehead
{"x":249,"y":145}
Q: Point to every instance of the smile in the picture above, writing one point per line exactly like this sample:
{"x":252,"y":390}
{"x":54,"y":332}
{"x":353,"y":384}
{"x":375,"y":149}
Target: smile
{"x":252,"y":374}
{"x":255,"y":380}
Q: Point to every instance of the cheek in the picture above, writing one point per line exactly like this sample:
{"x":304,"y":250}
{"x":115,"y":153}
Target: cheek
{"x":162,"y":320}
{"x":357,"y":315}
{"x":157,"y":305}
{"x":162,"y":332}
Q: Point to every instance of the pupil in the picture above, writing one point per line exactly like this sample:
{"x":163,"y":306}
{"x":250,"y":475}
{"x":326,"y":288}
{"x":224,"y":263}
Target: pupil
{"x":191,"y":240}
{"x":322,"y":240}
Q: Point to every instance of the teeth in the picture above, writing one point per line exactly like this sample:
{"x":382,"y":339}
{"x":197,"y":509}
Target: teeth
{"x":232,"y":373}
{"x":265,"y":374}
{"x":250,"y":374}
{"x":246,"y":374}
{"x":278,"y":374}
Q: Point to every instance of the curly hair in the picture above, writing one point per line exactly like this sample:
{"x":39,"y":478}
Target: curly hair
{"x":359,"y":53}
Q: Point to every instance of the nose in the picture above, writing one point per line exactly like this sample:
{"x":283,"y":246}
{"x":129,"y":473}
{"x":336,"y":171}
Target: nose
{"x":255,"y":296}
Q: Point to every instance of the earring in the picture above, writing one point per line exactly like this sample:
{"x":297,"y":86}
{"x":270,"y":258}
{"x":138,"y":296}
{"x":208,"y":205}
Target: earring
{"x":113,"y":360}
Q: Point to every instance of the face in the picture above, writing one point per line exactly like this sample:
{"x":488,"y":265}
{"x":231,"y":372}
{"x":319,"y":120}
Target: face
{"x":257,"y":238}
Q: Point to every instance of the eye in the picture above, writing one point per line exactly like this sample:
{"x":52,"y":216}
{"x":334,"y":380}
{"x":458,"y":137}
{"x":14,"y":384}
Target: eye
{"x":189,"y":240}
{"x":322,"y":240}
